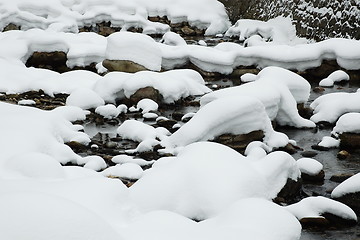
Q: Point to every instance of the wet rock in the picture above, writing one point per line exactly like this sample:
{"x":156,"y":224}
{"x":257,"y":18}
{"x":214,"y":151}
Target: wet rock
{"x":239,"y":142}
{"x":318,"y":178}
{"x":123,"y":66}
{"x":314,"y":222}
{"x":308,"y":154}
{"x":76,"y":146}
{"x":352,"y":200}
{"x":187,"y":31}
{"x":10,"y":27}
{"x":291,"y":190}
{"x":289,"y":148}
{"x":318,"y":89}
{"x":55,"y":61}
{"x":320,"y":148}
{"x":146,"y":92}
{"x":177,"y":116}
{"x":111,"y":144}
{"x":349,"y":141}
{"x":168,"y":124}
{"x":343,"y":155}
{"x":339,"y":178}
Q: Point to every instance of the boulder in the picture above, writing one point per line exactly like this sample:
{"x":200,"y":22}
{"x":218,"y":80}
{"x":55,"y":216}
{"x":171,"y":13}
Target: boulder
{"x":146,"y":92}
{"x":239,"y":142}
{"x":123,"y":66}
{"x":349,"y":141}
{"x":350,"y":199}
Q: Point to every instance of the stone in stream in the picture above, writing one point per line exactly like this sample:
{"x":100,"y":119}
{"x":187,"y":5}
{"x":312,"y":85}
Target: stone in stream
{"x":55,"y":61}
{"x":339,"y":178}
{"x":352,"y":200}
{"x":308,"y":154}
{"x":123,"y":66}
{"x":343,"y":154}
{"x":239,"y":142}
{"x":318,"y":178}
{"x":146,"y":92}
{"x":349,"y":141}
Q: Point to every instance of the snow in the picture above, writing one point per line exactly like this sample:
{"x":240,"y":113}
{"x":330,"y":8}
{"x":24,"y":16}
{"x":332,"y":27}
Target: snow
{"x":279,"y":30}
{"x":84,"y":98}
{"x":126,"y":170}
{"x":69,"y":16}
{"x":350,"y":185}
{"x":121,"y":159}
{"x":329,"y":142}
{"x":26,"y":102}
{"x":349,"y":122}
{"x":309,"y":166}
{"x":278,"y":89}
{"x":172,"y":39}
{"x":198,"y":194}
{"x":150,"y":116}
{"x":330,"y":107}
{"x":312,"y":207}
{"x":32,"y":165}
{"x":30,"y":215}
{"x":108,"y":111}
{"x":147,"y":105}
{"x":248,"y":77}
{"x":334,"y":77}
{"x":222,"y":116}
{"x":135,"y":47}
{"x":95,"y":163}
{"x":136,"y":131}
{"x":41,"y":131}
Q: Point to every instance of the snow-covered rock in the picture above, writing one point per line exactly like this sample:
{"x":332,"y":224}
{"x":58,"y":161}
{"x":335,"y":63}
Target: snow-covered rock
{"x":334,"y":77}
{"x":234,"y":115}
{"x":172,"y":85}
{"x":135,"y":47}
{"x":108,"y":111}
{"x":309,"y":166}
{"x":331,"y":106}
{"x":349,"y":122}
{"x":173,"y":39}
{"x":69,"y":16}
{"x":147,"y":105}
{"x":315,"y":207}
{"x":279,"y":30}
{"x":329,"y":142}
{"x":126,"y":170}
{"x":278,"y":89}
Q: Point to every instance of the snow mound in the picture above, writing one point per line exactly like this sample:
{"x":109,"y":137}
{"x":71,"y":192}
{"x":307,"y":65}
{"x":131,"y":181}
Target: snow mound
{"x":235,"y":115}
{"x":309,"y":166}
{"x":137,"y":131}
{"x":33,"y":165}
{"x":84,"y":98}
{"x":41,"y":132}
{"x":349,"y":122}
{"x":350,"y":185}
{"x":279,"y":30}
{"x":121,"y":159}
{"x":58,"y":15}
{"x":135,"y":47}
{"x":278,"y":89}
{"x":250,"y":218}
{"x":331,"y":106}
{"x":316,"y":206}
{"x":34,"y":218}
{"x":207,"y":177}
